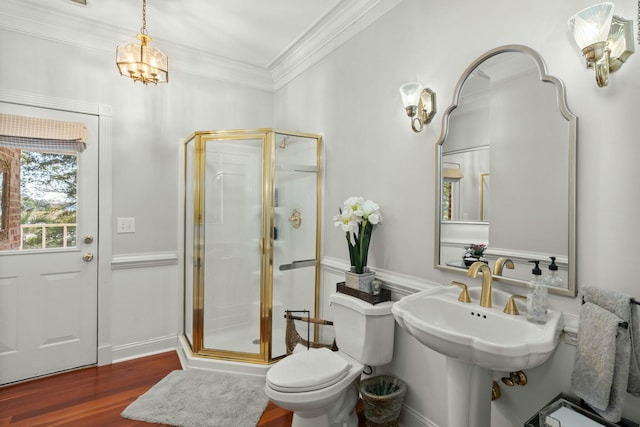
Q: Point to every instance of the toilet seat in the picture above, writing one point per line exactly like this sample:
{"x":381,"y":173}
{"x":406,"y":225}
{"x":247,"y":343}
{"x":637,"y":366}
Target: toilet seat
{"x":307,"y":371}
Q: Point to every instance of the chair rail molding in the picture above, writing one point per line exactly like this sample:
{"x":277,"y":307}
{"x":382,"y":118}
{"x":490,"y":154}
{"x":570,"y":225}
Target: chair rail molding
{"x":143,"y":260}
{"x":398,"y":283}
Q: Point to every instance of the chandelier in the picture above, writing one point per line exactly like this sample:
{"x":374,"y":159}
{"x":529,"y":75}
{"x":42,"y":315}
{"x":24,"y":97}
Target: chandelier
{"x":141,"y":62}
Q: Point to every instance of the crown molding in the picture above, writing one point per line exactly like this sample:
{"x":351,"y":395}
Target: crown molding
{"x":343,"y":22}
{"x":51,"y":25}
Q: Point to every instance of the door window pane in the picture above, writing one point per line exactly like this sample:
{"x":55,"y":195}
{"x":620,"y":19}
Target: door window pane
{"x":47,"y":201}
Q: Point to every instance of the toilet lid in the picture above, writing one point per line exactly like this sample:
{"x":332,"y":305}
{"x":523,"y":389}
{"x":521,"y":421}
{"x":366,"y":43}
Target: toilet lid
{"x":307,"y":371}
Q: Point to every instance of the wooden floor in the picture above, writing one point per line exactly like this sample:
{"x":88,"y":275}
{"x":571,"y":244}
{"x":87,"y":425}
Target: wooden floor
{"x":96,"y":396}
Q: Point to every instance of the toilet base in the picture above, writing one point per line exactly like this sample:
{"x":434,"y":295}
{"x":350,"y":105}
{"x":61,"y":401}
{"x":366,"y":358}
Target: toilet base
{"x":342,"y":413}
{"x":323,"y":421}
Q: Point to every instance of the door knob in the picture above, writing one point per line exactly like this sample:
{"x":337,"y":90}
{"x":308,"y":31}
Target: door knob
{"x":88,"y":238}
{"x":88,"y":257}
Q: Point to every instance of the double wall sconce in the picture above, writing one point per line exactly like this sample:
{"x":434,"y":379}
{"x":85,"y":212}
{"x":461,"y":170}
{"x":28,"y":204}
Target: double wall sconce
{"x":419,"y":103}
{"x":606,"y":40}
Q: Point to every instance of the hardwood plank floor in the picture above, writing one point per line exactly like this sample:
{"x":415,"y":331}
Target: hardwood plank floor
{"x":96,"y":396}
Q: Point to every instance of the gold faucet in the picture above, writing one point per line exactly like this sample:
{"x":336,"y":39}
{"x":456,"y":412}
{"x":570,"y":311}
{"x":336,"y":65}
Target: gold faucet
{"x":485,"y":294}
{"x":500,"y":264}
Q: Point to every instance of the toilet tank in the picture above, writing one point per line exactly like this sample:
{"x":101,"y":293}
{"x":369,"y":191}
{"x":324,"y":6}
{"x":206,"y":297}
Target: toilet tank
{"x":363,"y":331}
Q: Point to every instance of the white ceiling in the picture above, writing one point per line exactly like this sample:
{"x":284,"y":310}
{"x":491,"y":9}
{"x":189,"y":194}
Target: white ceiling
{"x":251,"y":31}
{"x":263,"y":43}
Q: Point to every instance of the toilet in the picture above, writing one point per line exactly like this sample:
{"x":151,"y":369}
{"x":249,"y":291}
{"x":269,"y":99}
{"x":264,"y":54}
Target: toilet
{"x":321,"y":386}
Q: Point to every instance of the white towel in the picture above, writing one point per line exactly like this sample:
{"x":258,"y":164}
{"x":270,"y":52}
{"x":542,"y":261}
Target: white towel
{"x":634,"y":369}
{"x":592,"y":376}
{"x":620,"y":305}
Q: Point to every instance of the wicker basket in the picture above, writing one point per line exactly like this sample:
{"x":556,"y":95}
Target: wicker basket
{"x":384,"y":295}
{"x":382,"y":396}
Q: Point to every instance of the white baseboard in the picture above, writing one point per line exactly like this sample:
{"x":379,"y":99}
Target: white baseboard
{"x":105,"y":355}
{"x":411,"y":418}
{"x":143,"y":348}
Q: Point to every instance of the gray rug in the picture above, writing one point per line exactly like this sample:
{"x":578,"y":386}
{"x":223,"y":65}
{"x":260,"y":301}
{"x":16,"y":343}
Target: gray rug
{"x":199,"y":398}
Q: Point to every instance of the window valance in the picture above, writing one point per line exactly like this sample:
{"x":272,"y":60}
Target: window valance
{"x":35,"y":134}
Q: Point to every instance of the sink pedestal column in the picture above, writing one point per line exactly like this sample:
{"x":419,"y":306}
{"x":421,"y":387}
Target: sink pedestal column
{"x":468,"y":395}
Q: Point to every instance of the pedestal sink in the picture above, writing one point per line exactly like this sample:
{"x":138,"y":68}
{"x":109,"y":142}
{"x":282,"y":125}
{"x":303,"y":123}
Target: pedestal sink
{"x":476,"y":341}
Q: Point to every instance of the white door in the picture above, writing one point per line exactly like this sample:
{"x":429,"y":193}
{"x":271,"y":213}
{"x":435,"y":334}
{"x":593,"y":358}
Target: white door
{"x":48,"y":295}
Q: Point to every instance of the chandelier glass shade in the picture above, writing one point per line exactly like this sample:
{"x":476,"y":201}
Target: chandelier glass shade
{"x":141,"y":62}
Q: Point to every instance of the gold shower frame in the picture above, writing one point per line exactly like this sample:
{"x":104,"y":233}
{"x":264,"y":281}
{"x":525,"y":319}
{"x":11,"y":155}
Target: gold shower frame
{"x":268,"y":138}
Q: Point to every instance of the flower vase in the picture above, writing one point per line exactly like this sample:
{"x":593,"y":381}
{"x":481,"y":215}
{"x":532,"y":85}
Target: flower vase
{"x":469,"y":260}
{"x":361,"y":281}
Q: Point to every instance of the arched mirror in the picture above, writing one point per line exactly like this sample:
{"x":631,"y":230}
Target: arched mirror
{"x":506,"y":171}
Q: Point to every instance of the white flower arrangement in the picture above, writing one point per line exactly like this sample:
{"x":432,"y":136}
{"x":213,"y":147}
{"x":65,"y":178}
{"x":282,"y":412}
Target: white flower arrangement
{"x":357,"y":218}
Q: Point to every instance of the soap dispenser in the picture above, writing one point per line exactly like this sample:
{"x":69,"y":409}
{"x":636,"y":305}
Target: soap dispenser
{"x":553,"y":279}
{"x":537,"y":299}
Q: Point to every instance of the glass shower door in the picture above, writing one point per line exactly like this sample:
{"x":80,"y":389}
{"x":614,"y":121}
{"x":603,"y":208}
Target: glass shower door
{"x":232,"y":218}
{"x":295,"y":232}
{"x":251,"y":240}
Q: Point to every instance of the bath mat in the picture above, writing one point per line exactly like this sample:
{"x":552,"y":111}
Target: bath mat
{"x":199,"y":398}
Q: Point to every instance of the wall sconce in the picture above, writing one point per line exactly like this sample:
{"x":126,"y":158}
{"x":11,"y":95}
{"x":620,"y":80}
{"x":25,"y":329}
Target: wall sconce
{"x":606,"y":40}
{"x":419,"y":103}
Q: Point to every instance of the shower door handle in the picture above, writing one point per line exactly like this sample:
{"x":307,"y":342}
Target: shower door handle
{"x":298,"y":264}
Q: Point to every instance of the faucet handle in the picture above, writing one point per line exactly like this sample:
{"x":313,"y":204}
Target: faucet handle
{"x":511,"y":307}
{"x":464,"y":294}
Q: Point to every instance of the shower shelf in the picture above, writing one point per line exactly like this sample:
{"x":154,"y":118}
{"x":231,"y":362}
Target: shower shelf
{"x":292,"y":167}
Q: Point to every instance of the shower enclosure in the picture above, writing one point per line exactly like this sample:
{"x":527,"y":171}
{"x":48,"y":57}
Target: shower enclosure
{"x":252,"y":228}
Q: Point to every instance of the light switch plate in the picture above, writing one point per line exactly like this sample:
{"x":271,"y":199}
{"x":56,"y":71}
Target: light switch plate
{"x":126,"y":225}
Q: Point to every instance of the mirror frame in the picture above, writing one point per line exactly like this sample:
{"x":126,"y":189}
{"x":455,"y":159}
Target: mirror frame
{"x":5,"y":169}
{"x":572,"y":122}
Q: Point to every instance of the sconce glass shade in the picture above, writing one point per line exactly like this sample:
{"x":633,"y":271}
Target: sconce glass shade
{"x":142,"y":62}
{"x":410,"y":93}
{"x":419,"y":104}
{"x":606,"y":40}
{"x":591,"y":25}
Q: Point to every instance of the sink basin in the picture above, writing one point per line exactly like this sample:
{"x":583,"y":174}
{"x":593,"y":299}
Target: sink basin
{"x":485,"y":337}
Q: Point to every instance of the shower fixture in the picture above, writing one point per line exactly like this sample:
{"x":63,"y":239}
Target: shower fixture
{"x":296,"y":218}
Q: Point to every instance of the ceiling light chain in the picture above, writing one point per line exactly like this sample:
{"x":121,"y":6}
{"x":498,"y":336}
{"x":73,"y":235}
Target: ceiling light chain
{"x":144,"y":17}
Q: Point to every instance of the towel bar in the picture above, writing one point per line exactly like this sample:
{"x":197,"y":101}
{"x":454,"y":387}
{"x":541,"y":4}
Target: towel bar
{"x":624,"y":325}
{"x":632,"y":301}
